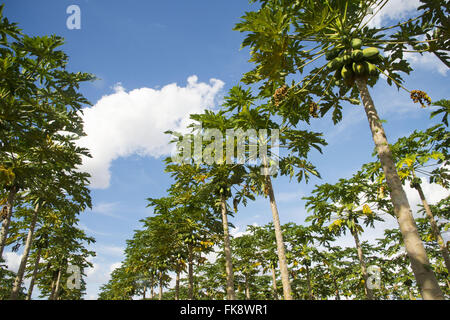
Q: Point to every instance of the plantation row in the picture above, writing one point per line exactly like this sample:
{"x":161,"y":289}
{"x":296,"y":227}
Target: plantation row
{"x":290,"y":41}
{"x":311,"y":58}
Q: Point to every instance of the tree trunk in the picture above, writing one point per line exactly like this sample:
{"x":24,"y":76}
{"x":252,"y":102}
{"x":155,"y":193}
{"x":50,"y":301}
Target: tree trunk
{"x":414,"y":247}
{"x":336,"y":288}
{"x":274,"y":283}
{"x":58,"y":283}
{"x":227,"y":248}
{"x":152,"y":289}
{"x":435,"y":228}
{"x":308,"y":279}
{"x":7,"y":219}
{"x":362,"y":262}
{"x":247,"y":288}
{"x":160,"y":286}
{"x":33,"y":277}
{"x":280,"y":244}
{"x":145,"y":289}
{"x":53,"y":285}
{"x":177,"y":285}
{"x":190,"y":274}
{"x":26,"y":252}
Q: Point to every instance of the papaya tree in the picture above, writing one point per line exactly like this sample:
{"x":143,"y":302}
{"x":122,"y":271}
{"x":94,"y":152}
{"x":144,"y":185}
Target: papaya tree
{"x":287,"y":38}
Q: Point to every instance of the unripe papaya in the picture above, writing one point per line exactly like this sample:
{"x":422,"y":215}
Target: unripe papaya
{"x":357,"y":55}
{"x":356,"y":43}
{"x":333,"y":53}
{"x":370,"y":52}
{"x":376,"y":59}
{"x":371,"y":69}
{"x":346,"y":72}
{"x":359,"y":68}
{"x":346,"y":58}
{"x":336,"y":63}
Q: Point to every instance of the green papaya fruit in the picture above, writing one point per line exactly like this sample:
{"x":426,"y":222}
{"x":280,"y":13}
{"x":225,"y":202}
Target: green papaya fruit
{"x":371,"y":69}
{"x":347,"y":72}
{"x":370,"y":52}
{"x":376,"y":59}
{"x":357,"y":55}
{"x":359,"y":68}
{"x":333,"y":53}
{"x":346,"y":58}
{"x":335,"y":63}
{"x":356,"y":43}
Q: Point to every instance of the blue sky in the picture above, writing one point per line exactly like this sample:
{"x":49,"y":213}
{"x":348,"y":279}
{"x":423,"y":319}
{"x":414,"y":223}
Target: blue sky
{"x":160,"y":60}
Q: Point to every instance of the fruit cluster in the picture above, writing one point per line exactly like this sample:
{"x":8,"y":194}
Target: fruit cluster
{"x":353,"y":63}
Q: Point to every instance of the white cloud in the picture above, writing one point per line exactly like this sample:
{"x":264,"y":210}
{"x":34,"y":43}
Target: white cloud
{"x":394,"y":10}
{"x":427,"y":61}
{"x":133,"y":122}
{"x":12,"y":260}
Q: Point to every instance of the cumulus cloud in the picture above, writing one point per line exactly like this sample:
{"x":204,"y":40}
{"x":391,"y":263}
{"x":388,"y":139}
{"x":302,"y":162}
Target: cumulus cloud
{"x":12,"y":260}
{"x":394,"y":10}
{"x":125,"y":123}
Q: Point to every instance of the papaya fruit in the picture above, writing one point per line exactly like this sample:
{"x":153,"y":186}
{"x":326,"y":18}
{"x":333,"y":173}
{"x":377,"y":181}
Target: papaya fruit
{"x":333,"y":53}
{"x":371,"y":69}
{"x":357,"y":55}
{"x":376,"y":59}
{"x":358,"y":68}
{"x":356,"y":43}
{"x":336,"y":63}
{"x":370,"y":52}
{"x":347,"y":72}
{"x":346,"y":58}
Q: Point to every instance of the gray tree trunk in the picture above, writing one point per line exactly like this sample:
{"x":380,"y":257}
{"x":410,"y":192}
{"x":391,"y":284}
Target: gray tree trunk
{"x":190,"y":274}
{"x":227,"y":248}
{"x":33,"y":277}
{"x":26,"y":252}
{"x":247,"y":288}
{"x":362,"y":262}
{"x":177,"y":285}
{"x":7,"y":220}
{"x":274,"y":283}
{"x":435,"y":228}
{"x":420,"y":264}
{"x":280,"y":244}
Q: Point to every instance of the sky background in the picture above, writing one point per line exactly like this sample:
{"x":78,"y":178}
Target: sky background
{"x":159,"y":61}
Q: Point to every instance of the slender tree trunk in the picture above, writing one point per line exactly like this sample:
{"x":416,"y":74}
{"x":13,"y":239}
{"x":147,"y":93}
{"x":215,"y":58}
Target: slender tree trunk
{"x":58,"y":283}
{"x":145,"y":289}
{"x":362,"y":262}
{"x":336,"y":288}
{"x":33,"y":277}
{"x":280,"y":244}
{"x":274,"y":283}
{"x":7,"y":220}
{"x":227,"y":248}
{"x":160,"y":286}
{"x":53,"y":285}
{"x":435,"y":228}
{"x":190,"y":274}
{"x":26,"y":252}
{"x":152,"y":289}
{"x":247,"y":288}
{"x":414,"y":247}
{"x":308,"y":278}
{"x":177,"y":285}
